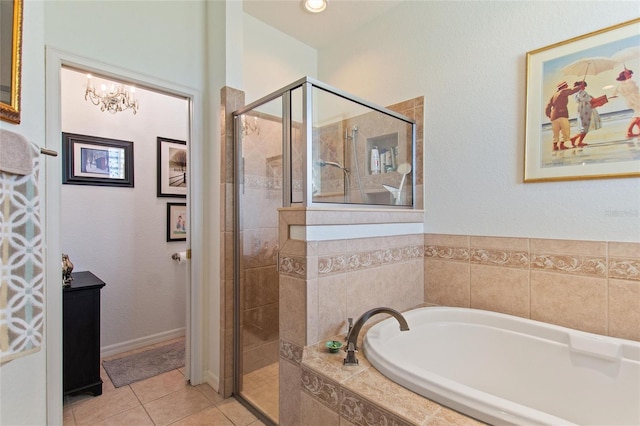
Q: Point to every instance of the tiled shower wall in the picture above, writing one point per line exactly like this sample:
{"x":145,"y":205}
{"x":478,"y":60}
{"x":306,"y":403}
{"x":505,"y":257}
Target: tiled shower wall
{"x":261,"y":198}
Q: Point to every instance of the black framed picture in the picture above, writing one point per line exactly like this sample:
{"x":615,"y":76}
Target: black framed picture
{"x":172,"y":168}
{"x":91,"y":160}
{"x":177,"y":222}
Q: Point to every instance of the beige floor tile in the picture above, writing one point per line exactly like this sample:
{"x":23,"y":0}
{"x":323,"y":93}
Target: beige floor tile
{"x":260,"y":388}
{"x":108,"y":404}
{"x":176,"y":406}
{"x":106,"y":380}
{"x":236,"y":412}
{"x":135,"y":416}
{"x":67,"y":416}
{"x":209,"y":416}
{"x":166,"y":399}
{"x":209,"y":393}
{"x":156,"y":387}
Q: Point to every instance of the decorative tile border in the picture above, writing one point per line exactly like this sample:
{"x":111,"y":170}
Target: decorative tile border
{"x":362,"y":412}
{"x":458,"y":254}
{"x":262,"y":182}
{"x":368,"y":259}
{"x":509,"y":259}
{"x":624,"y":269}
{"x":291,"y":352}
{"x":620,"y":268}
{"x":321,"y":388}
{"x":293,"y":266}
{"x":579,"y":265}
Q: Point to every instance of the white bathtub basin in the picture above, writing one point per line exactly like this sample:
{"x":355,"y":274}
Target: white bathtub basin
{"x":503,"y":369}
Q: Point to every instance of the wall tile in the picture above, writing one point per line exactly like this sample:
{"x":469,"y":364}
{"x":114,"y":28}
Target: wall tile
{"x":291,"y":352}
{"x":365,"y":290}
{"x":575,"y":247}
{"x":500,"y":289}
{"x":293,"y":266}
{"x":312,"y":308}
{"x":407,"y":284}
{"x":321,"y":388}
{"x":373,"y":386}
{"x":289,"y":389}
{"x":332,"y":306}
{"x":293,"y":315}
{"x":570,"y":264}
{"x":345,"y":422}
{"x":314,"y":413}
{"x":624,"y":309}
{"x":570,"y":301}
{"x":624,"y":261}
{"x":461,"y":241}
{"x":362,"y":412}
{"x":447,"y":283}
{"x":504,"y":252}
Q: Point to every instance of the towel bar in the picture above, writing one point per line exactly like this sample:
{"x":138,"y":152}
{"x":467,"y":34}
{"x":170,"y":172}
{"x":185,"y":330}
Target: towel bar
{"x":48,"y":152}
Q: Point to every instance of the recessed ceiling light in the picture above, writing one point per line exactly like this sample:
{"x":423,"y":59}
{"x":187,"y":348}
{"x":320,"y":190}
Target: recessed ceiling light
{"x":315,"y":6}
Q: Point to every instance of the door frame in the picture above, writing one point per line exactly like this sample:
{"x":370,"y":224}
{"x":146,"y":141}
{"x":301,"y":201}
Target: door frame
{"x":55,"y":60}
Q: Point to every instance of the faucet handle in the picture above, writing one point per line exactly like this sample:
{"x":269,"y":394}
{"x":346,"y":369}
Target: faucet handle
{"x":350,"y":320}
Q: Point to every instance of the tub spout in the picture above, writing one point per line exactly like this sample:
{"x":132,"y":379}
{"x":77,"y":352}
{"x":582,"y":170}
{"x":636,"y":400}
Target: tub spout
{"x":352,"y":337}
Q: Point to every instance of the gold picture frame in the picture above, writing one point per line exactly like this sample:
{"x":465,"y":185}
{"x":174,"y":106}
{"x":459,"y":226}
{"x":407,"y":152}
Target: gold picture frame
{"x":11,"y":60}
{"x":576,"y":131}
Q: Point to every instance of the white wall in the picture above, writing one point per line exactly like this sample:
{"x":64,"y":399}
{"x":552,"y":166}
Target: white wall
{"x":23,"y":381}
{"x":468,"y":60}
{"x":119,"y":234}
{"x":272,"y":59}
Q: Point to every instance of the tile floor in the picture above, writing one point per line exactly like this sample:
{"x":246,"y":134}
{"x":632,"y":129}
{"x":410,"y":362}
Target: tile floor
{"x":166,"y":399}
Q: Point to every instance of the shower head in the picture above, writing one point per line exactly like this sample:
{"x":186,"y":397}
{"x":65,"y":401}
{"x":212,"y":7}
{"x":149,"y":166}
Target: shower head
{"x":323,"y":163}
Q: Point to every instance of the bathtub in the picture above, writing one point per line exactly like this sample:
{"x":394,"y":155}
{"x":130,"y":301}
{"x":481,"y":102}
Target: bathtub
{"x":503,"y":369}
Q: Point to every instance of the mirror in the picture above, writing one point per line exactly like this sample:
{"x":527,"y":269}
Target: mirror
{"x":10,"y":59}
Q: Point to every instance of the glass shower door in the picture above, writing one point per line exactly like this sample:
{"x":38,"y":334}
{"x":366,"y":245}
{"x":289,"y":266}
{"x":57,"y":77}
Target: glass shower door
{"x":260,"y":196}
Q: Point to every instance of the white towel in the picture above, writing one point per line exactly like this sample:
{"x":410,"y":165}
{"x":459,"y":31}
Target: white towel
{"x":16,"y":153}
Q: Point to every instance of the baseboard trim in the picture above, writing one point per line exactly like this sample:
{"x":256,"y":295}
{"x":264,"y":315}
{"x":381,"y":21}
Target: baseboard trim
{"x":212,"y":380}
{"x":141,"y":342}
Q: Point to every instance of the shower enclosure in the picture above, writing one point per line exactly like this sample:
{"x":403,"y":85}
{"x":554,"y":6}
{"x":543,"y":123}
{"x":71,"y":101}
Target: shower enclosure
{"x":308,"y":145}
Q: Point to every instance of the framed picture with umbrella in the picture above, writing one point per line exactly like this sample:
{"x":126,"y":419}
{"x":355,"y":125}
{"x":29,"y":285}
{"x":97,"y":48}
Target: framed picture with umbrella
{"x":583,"y":107}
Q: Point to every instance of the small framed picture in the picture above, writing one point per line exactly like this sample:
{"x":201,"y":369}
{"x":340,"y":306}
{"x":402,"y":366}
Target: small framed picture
{"x":177,"y":222}
{"x":90,"y":160}
{"x":172,"y":168}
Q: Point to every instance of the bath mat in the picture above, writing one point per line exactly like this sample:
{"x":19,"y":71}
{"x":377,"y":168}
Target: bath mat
{"x":133,"y":368}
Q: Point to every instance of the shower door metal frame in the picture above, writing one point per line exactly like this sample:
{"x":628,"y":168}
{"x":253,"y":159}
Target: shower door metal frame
{"x":307,"y":84}
{"x":285,"y":96}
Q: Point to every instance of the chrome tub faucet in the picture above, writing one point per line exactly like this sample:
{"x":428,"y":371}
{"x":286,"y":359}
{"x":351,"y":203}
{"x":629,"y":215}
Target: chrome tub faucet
{"x":352,"y":337}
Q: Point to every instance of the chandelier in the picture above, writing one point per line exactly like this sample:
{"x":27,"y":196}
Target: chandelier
{"x":112,"y":97}
{"x":248,"y":127}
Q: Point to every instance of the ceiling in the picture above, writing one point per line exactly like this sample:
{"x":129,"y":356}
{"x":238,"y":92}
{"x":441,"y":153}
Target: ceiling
{"x":340,"y":18}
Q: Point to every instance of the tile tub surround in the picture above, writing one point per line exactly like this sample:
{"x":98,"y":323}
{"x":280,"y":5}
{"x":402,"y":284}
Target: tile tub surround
{"x":322,"y":283}
{"x":592,"y":286}
{"x":331,"y":393}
